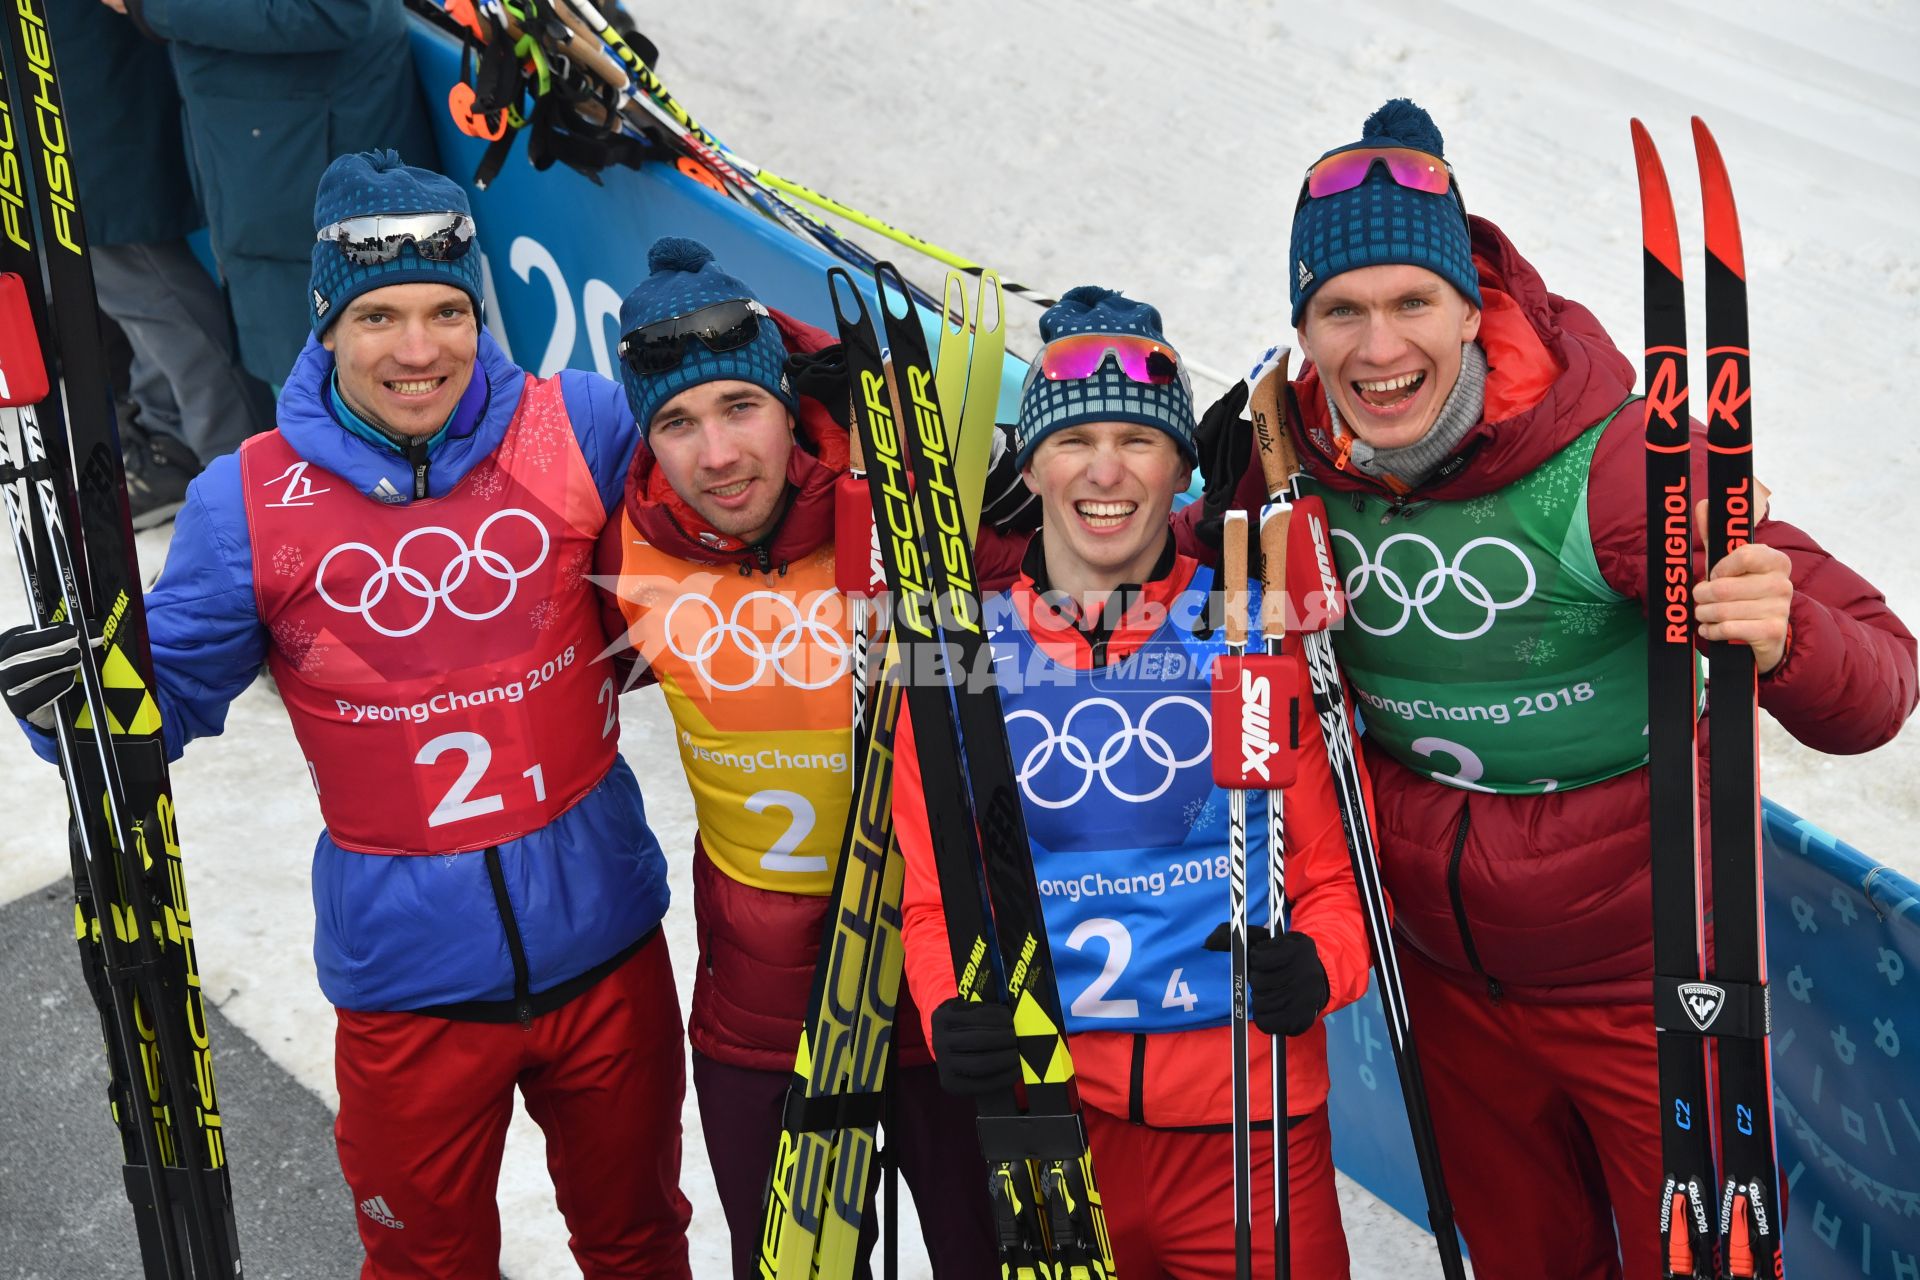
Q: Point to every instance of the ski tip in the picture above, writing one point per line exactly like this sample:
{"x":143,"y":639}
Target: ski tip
{"x":1658,"y":230}
{"x":1716,"y":199}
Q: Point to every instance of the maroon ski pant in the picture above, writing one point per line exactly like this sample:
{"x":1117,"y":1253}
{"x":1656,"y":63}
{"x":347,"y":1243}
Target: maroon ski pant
{"x":930,"y":1133}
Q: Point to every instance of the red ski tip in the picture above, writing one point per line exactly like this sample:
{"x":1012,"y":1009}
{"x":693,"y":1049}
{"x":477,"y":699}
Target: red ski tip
{"x":1716,"y":199}
{"x":1658,"y":231}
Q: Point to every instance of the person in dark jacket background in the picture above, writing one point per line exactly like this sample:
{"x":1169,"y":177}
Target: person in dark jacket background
{"x":193,"y":401}
{"x":272,"y":93}
{"x":1456,"y":413}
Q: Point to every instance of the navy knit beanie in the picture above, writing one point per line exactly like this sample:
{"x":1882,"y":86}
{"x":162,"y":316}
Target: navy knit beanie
{"x":380,"y":182}
{"x":684,"y":279}
{"x":1380,"y":221}
{"x":1109,"y":395}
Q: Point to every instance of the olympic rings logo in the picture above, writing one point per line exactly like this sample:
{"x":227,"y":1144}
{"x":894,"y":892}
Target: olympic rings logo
{"x":1433,"y":583}
{"x":420,"y":586}
{"x":819,"y":636}
{"x":1075,"y":751}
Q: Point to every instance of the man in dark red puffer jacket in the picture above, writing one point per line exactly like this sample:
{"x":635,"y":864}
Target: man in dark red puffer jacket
{"x":1481,"y":454}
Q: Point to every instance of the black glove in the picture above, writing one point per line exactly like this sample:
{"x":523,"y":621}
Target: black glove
{"x":823,"y":375}
{"x":1286,"y":983}
{"x":974,"y":1048}
{"x":1010,"y":506}
{"x":37,"y":665}
{"x":1224,"y":441}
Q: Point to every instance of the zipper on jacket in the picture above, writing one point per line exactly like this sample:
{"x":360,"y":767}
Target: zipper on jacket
{"x":522,"y":995}
{"x":1137,"y":1082}
{"x":417,"y":459}
{"x":1494,"y":988}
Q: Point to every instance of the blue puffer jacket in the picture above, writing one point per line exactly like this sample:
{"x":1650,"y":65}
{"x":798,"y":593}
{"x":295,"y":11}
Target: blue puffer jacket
{"x":414,"y":932}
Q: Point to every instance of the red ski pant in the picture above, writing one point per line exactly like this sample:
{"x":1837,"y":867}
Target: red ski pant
{"x":1548,"y":1121}
{"x":1168,"y":1194}
{"x":424,"y":1106}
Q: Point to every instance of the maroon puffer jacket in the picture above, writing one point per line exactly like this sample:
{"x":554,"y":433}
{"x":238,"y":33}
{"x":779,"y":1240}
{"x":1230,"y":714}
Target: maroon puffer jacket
{"x":1548,"y":897}
{"x":758,"y":946}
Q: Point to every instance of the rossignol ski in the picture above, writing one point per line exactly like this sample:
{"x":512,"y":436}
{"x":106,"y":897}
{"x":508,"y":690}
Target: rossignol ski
{"x":1688,"y":1235}
{"x":817,"y":1191}
{"x":74,"y":543}
{"x":1280,"y":465}
{"x":1046,"y":1209}
{"x":1729,"y":1004}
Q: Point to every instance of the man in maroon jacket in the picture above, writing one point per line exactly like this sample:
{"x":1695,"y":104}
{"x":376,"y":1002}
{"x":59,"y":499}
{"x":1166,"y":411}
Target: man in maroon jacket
{"x":1482,"y":456}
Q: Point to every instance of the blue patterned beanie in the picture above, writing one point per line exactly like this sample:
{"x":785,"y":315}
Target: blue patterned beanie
{"x":1109,"y":395}
{"x":1381,"y":222}
{"x":380,"y":182}
{"x":684,"y":279}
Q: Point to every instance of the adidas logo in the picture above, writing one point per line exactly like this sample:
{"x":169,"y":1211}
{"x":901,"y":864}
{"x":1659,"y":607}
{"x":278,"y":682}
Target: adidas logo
{"x":375,"y":1207}
{"x":321,"y":305}
{"x":386,"y":492}
{"x":1703,"y":1002}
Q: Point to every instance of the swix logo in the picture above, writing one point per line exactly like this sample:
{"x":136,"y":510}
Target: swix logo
{"x":1728,"y":395}
{"x":1323,"y":556}
{"x":299,"y":491}
{"x":1703,"y":1002}
{"x":1667,"y":391}
{"x":1257,"y":746}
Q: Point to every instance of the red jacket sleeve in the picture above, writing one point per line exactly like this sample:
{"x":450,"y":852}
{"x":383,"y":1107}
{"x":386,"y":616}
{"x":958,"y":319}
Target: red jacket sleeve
{"x":1320,"y":884}
{"x":1848,"y":681}
{"x":923,"y":922}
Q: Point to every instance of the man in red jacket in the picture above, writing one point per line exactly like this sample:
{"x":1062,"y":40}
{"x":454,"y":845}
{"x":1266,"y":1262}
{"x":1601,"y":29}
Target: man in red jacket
{"x":724,"y":556}
{"x":1103,"y":667}
{"x":1482,"y":457}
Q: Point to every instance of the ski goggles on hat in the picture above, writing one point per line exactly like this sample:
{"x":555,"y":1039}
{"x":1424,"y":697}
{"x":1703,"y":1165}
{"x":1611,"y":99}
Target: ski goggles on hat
{"x":376,"y":238}
{"x":1080,"y":355}
{"x":1345,"y":170}
{"x":656,"y":348}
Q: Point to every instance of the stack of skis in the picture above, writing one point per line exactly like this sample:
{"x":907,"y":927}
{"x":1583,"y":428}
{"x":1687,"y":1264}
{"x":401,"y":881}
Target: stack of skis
{"x":67,"y":510}
{"x":922,"y":485}
{"x":1693,"y":1006}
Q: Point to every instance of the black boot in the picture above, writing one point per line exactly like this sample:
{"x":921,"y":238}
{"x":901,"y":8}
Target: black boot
{"x":158,"y":471}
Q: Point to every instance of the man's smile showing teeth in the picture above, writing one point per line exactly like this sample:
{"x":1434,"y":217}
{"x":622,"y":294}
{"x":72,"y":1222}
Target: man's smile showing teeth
{"x":1105,"y":515}
{"x":733,"y":490}
{"x":1382,"y":392}
{"x":414,"y":387}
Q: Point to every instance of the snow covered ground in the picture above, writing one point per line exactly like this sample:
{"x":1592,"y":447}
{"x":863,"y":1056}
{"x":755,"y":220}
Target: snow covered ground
{"x":1158,"y":147}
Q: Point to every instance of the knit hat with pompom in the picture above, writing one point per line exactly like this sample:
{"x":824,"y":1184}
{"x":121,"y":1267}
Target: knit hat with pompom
{"x":684,"y":279}
{"x":1380,"y":221}
{"x":1107,"y":394}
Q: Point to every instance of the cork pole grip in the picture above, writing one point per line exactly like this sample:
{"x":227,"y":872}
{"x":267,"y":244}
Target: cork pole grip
{"x":1266,"y":401}
{"x":1273,"y":572}
{"x":1233,"y":554}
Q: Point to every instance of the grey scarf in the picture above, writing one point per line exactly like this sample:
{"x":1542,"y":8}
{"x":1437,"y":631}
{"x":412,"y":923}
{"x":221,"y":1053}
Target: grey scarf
{"x":1412,"y":463}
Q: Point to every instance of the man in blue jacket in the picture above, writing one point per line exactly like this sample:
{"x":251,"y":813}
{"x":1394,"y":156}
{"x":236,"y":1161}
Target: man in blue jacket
{"x":408,"y":555}
{"x":272,"y":93}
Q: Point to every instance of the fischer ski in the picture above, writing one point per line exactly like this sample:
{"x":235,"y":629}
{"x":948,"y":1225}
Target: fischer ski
{"x":1280,"y":465}
{"x":1046,"y":1208}
{"x":74,"y":544}
{"x":817,"y":1190}
{"x":1689,"y":1238}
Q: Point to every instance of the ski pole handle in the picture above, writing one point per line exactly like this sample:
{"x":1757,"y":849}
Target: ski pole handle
{"x":1273,"y":570}
{"x":1233,"y":548}
{"x":1266,"y":401}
